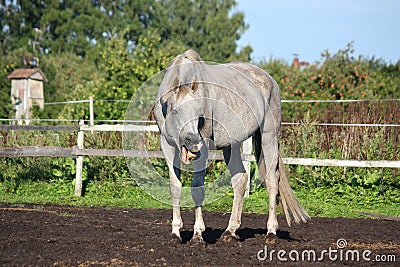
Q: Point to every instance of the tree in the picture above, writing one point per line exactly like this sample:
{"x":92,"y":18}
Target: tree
{"x":123,"y":72}
{"x":7,"y":65}
{"x":132,"y":17}
{"x":65,"y":72}
{"x":78,"y":26}
{"x":207,"y":26}
{"x":54,"y":26}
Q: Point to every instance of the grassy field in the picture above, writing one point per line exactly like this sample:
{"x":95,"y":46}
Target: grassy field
{"x":321,"y":202}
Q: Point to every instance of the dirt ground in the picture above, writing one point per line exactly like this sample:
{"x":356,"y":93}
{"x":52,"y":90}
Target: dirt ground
{"x":47,"y":235}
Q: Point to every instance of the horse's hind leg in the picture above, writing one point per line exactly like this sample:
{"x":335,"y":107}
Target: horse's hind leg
{"x":198,"y":193}
{"x":270,"y":158}
{"x":239,"y":182}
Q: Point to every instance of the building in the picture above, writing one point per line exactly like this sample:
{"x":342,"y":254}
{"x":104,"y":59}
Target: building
{"x":297,"y":64}
{"x":26,"y":89}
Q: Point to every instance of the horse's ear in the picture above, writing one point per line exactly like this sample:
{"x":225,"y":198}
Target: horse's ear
{"x":195,"y":85}
{"x":165,"y":96}
{"x":173,"y":87}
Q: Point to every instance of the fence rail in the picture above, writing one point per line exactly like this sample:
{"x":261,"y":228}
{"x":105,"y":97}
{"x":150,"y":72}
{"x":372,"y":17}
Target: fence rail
{"x":74,"y":152}
{"x":11,"y":127}
{"x":36,"y":151}
{"x":283,"y":101}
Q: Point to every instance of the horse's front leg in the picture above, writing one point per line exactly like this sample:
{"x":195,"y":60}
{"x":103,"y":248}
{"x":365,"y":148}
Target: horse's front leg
{"x":198,"y":193}
{"x":239,"y":182}
{"x":175,"y":186}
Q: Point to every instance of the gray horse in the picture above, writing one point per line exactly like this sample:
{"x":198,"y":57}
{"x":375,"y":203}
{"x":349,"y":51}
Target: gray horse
{"x":199,"y":105}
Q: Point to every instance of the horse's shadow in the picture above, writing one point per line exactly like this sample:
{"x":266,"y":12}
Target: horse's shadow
{"x":211,"y":236}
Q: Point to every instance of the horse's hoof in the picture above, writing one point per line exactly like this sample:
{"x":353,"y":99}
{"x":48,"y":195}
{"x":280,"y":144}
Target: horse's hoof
{"x":176,"y":238}
{"x":271,"y":239}
{"x":229,"y":237}
{"x":197,"y":242}
{"x":197,"y":239}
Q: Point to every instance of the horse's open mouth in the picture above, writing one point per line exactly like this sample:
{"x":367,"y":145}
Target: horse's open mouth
{"x":187,"y":156}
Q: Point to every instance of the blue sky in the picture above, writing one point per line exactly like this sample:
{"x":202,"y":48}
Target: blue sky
{"x":279,"y":28}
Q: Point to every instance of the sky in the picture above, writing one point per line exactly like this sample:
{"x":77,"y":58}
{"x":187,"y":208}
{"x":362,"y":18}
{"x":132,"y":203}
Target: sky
{"x":280,"y":28}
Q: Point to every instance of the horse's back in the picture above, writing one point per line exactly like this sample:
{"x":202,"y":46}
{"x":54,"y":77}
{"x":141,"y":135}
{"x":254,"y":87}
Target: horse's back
{"x":264,"y":82}
{"x":258,"y":76}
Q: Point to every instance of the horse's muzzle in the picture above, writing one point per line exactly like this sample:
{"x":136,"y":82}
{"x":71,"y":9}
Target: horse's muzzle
{"x":187,"y":155}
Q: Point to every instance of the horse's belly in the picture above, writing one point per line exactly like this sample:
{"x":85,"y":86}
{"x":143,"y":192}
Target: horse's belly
{"x":234,"y":129}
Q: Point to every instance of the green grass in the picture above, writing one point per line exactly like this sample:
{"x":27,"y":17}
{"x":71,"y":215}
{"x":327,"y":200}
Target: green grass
{"x":60,"y":192}
{"x":336,"y":203}
{"x":321,"y":202}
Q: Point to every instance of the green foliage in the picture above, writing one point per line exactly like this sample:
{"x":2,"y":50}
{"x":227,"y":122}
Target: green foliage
{"x":337,"y":76}
{"x":384,"y":78}
{"x":61,"y":26}
{"x":79,"y":26}
{"x":347,"y":201}
{"x":16,"y":171}
{"x":342,"y":76}
{"x":64,"y":72}
{"x":123,"y":73}
{"x":64,"y":168}
{"x":207,"y":26}
{"x":9,"y":61}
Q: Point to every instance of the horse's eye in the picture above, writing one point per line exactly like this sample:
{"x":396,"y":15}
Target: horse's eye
{"x":174,"y":111}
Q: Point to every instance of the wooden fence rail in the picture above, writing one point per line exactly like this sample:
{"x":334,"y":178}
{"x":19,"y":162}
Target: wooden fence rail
{"x":78,"y":151}
{"x":10,"y":127}
{"x":41,"y":151}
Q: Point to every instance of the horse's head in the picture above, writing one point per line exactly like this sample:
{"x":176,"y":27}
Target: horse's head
{"x":184,"y":121}
{"x":182,"y":108}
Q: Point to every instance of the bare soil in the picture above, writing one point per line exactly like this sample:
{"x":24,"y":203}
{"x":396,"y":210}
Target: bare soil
{"x":47,"y":235}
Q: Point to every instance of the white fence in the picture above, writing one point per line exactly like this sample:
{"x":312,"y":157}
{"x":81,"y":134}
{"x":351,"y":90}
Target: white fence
{"x":79,"y":151}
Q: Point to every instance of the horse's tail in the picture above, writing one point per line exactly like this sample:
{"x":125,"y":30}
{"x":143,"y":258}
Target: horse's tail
{"x":288,"y":201}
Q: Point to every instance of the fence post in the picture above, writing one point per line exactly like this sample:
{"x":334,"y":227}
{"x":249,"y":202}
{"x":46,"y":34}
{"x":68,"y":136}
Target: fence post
{"x":91,"y":112}
{"x":247,"y":147}
{"x":79,"y":162}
